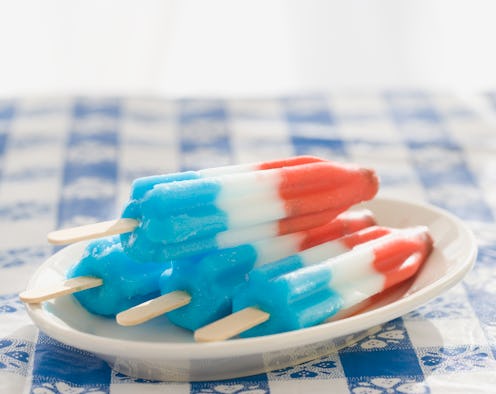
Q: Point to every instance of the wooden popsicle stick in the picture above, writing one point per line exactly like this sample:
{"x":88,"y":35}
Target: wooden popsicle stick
{"x":92,"y":231}
{"x":231,"y":325}
{"x":69,"y":286}
{"x":153,"y":308}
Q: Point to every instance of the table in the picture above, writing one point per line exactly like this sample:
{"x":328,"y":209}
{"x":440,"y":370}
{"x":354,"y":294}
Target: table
{"x":69,"y":161}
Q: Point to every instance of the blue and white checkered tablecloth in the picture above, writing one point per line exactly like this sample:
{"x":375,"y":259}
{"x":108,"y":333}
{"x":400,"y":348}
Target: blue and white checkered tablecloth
{"x":70,"y":161}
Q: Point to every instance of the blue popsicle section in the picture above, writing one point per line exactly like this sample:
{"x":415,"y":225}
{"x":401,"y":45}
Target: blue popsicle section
{"x":210,"y":280}
{"x":142,"y":185}
{"x":171,"y":210}
{"x":294,"y":300}
{"x":140,"y":248}
{"x":126,"y":283}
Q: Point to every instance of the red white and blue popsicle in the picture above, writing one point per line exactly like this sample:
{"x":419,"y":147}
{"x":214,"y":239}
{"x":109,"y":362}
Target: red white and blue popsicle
{"x":273,"y":303}
{"x":181,"y":218}
{"x":173,"y":214}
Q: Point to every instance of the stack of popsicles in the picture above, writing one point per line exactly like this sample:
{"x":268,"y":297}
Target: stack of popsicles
{"x":249,"y":249}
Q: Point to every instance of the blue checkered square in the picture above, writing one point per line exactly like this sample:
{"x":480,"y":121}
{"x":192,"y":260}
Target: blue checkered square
{"x":56,"y":364}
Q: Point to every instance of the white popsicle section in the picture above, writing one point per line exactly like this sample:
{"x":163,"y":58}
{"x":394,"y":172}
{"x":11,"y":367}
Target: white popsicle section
{"x":252,"y":199}
{"x":276,"y":248}
{"x":347,"y":267}
{"x":352,"y":293}
{"x":216,"y":171}
{"x":228,"y":239}
{"x":322,"y":252}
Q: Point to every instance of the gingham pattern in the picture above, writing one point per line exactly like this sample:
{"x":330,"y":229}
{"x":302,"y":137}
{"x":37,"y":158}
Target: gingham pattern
{"x":70,"y":161}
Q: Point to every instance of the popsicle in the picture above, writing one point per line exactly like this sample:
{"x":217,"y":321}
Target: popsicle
{"x":105,"y":280}
{"x":172,"y":214}
{"x":275,"y":303}
{"x":178,"y":219}
{"x":211,"y":280}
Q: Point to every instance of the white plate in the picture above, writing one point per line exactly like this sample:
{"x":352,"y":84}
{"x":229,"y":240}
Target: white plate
{"x":158,"y":350}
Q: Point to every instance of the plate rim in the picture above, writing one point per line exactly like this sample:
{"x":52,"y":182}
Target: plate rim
{"x":245,"y":346}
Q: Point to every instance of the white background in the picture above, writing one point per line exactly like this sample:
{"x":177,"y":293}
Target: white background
{"x":257,"y":47}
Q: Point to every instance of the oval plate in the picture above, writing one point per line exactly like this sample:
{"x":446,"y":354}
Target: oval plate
{"x":160,"y":351}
